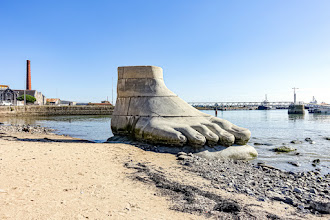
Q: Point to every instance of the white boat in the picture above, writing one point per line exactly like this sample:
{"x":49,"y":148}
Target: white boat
{"x":311,"y":105}
{"x":321,"y":109}
{"x":314,"y":107}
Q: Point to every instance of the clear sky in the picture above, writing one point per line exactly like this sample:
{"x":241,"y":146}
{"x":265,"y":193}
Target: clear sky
{"x":210,"y":50}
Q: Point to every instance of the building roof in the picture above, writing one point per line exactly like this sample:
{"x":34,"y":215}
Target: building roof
{"x":8,"y":90}
{"x":27,"y":92}
{"x":4,"y":87}
{"x":52,"y":100}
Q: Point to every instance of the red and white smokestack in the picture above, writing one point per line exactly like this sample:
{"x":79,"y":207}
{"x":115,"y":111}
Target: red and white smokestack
{"x":28,"y":75}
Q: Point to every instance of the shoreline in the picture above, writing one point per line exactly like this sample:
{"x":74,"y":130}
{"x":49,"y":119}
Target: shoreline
{"x":85,"y":176}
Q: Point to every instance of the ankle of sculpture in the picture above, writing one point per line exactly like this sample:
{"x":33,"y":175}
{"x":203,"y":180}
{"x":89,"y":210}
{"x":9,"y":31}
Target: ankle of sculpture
{"x":139,"y":81}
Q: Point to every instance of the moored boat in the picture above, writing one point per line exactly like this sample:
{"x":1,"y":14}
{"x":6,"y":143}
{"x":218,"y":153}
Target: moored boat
{"x":322,"y":109}
{"x":264,"y":105}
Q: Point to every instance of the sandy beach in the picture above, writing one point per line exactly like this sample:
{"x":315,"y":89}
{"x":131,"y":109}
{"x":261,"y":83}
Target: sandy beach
{"x":46,"y":176}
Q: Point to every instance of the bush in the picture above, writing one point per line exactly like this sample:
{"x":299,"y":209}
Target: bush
{"x":29,"y":98}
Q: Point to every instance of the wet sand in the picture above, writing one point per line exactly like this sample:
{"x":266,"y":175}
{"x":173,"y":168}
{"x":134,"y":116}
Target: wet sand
{"x":45,"y":176}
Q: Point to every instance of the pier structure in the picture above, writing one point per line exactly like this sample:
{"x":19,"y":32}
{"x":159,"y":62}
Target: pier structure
{"x":296,"y":108}
{"x":219,"y":105}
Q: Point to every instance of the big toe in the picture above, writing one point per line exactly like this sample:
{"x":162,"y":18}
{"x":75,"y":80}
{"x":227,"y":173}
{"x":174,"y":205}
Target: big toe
{"x":164,"y":135}
{"x":159,"y":133}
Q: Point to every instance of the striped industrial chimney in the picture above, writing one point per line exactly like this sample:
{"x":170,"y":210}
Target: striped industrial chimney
{"x":28,"y":75}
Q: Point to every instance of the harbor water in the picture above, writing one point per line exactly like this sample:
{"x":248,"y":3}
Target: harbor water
{"x":275,"y":128}
{"x":270,"y":129}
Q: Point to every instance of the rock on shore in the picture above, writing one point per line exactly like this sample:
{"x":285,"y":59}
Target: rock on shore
{"x":25,"y":128}
{"x":308,"y":191}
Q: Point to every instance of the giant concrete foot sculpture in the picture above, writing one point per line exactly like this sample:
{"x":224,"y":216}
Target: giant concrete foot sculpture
{"x":147,"y":110}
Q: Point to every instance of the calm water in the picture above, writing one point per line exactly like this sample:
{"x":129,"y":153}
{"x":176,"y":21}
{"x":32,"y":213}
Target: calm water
{"x":88,"y":127}
{"x":276,"y":127}
{"x":272,"y":127}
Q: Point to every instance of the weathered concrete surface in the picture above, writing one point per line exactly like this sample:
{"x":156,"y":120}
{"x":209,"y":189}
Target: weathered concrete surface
{"x":35,"y":110}
{"x":143,"y":72}
{"x":151,"y":106}
{"x":147,"y":110}
{"x":143,"y":87}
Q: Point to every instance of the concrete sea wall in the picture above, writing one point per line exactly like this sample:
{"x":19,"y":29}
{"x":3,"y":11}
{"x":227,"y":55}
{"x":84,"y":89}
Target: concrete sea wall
{"x":35,"y":110}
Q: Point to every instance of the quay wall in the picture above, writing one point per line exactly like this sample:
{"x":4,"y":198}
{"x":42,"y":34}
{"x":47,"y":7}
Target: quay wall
{"x":49,"y":110}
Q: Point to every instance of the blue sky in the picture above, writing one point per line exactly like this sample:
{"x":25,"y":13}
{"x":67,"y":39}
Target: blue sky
{"x":209,"y":50}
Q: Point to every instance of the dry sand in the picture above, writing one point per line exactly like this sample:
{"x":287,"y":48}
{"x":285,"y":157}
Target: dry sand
{"x":62,"y":178}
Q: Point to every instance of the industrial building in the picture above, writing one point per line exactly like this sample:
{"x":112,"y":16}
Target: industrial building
{"x":9,"y":96}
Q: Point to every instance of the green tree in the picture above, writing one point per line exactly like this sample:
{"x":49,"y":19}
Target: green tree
{"x":29,"y":98}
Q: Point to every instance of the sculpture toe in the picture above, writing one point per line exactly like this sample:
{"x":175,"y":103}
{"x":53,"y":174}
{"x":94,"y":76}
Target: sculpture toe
{"x":242,"y":135}
{"x":194,"y":138}
{"x":211,"y":137}
{"x":225,"y":138}
{"x":164,"y":135}
{"x":157,"y":131}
